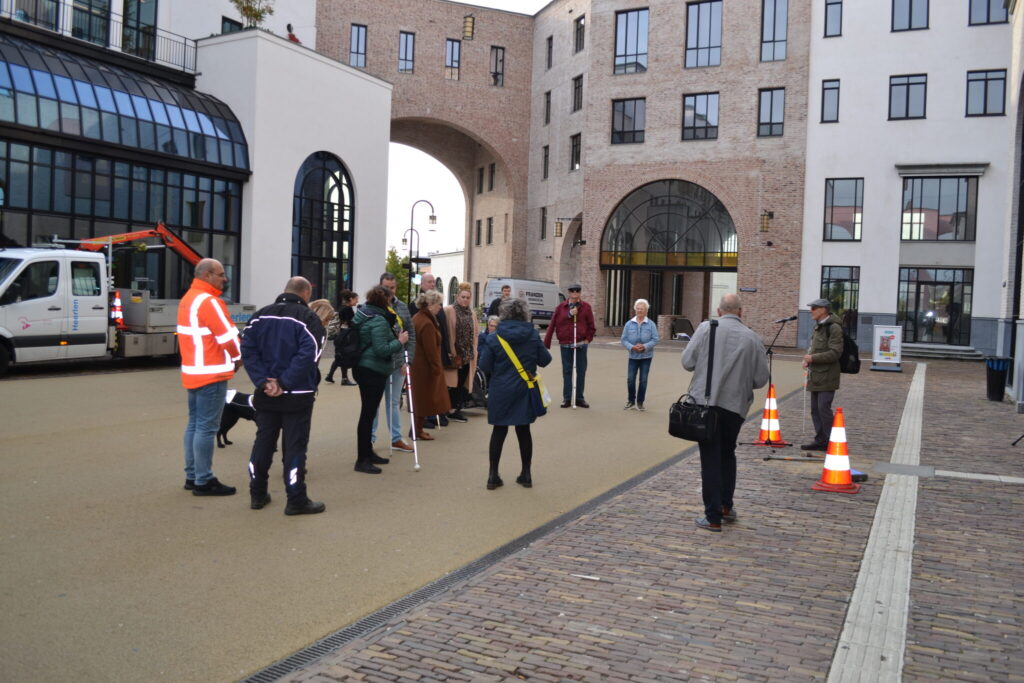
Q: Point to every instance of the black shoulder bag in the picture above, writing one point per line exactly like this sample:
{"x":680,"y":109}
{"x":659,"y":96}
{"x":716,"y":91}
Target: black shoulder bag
{"x":688,"y":419}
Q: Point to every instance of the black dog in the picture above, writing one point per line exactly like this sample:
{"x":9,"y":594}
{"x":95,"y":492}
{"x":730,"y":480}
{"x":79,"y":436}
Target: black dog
{"x":238,"y":405}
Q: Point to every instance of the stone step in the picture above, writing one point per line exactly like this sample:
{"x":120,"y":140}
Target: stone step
{"x":941,"y":351}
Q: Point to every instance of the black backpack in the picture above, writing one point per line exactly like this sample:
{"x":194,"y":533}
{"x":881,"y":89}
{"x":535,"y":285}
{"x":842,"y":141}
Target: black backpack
{"x":347,"y":347}
{"x":849,"y":359}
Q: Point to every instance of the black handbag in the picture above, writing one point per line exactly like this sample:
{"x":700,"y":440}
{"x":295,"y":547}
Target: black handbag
{"x":687,"y":418}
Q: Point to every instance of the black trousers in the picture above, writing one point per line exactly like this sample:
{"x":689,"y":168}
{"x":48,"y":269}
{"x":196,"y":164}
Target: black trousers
{"x":295,"y":428}
{"x":718,"y":465}
{"x":371,"y":390}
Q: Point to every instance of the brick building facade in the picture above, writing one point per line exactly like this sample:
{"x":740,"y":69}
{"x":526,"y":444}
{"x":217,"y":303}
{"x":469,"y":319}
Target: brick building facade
{"x":559,"y":81}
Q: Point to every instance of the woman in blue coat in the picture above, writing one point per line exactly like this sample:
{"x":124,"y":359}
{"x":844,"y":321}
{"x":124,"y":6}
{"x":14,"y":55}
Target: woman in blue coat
{"x":639,"y":336}
{"x":508,"y":400}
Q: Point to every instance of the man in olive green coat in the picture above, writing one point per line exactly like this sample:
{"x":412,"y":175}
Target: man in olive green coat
{"x":822,"y":364}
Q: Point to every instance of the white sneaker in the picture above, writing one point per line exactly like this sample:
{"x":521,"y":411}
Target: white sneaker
{"x":628,"y":406}
{"x":640,"y":407}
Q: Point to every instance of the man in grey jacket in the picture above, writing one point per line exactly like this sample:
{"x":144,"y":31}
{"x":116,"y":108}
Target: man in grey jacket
{"x":741,"y":365}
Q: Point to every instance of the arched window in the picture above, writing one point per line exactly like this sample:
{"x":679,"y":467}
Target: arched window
{"x":453,"y":289}
{"x":322,"y":226}
{"x":672,"y":224}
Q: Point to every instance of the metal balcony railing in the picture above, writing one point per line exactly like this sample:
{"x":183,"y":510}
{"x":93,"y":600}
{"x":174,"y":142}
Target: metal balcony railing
{"x":97,"y":25}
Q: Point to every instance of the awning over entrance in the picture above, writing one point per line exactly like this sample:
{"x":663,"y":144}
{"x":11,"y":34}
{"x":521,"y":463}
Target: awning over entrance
{"x":56,"y":91}
{"x":670,"y":224}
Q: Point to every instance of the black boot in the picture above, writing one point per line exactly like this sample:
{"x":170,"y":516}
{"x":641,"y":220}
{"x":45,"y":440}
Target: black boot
{"x":525,"y":480}
{"x":494,"y":481}
{"x":365,"y":466}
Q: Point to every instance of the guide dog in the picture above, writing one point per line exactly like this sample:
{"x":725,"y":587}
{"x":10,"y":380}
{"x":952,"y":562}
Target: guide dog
{"x":237,"y":405}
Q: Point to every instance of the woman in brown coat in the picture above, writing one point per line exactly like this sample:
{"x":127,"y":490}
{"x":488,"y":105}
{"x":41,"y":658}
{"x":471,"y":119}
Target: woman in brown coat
{"x":429,"y":392}
{"x":462,"y":339}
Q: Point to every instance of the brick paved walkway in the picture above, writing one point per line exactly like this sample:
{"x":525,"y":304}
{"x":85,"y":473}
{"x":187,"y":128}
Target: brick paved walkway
{"x":632,"y":591}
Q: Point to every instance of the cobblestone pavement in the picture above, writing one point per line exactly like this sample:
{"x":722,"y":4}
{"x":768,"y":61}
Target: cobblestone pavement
{"x":632,"y":591}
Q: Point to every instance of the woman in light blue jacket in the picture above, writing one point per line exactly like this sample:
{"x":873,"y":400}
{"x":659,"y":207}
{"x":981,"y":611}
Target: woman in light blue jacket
{"x":639,"y":336}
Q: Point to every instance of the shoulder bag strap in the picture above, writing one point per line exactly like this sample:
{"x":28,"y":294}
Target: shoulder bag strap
{"x":711,"y":361}
{"x":515,"y":362}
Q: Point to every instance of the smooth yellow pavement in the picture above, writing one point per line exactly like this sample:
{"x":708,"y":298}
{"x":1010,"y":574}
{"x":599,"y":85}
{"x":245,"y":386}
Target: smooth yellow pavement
{"x":109,"y":571}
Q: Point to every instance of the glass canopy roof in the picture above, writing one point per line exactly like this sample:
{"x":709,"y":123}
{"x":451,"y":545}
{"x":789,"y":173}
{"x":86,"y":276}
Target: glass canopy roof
{"x":62,"y":92}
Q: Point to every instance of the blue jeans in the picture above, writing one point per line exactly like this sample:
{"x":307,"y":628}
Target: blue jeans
{"x":392,"y":405}
{"x":581,"y":371}
{"x":205,"y":405}
{"x":644,"y":366}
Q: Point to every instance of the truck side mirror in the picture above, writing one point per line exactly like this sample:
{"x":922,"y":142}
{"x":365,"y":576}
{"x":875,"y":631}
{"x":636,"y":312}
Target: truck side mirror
{"x":12,"y":295}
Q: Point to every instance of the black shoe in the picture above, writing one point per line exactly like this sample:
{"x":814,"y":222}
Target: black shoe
{"x":259,"y":501}
{"x":814,"y":447}
{"x":430,"y":423}
{"x":190,"y":484}
{"x":525,"y":481}
{"x":494,"y":482}
{"x":566,"y":404}
{"x":444,"y":420}
{"x":458,"y":417}
{"x":347,"y":382}
{"x":367,"y":468}
{"x":580,"y":403}
{"x":377,"y":460}
{"x":310,"y":507}
{"x":329,"y":380}
{"x":213,"y":488}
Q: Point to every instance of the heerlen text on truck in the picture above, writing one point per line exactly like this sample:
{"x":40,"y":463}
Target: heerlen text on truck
{"x":59,"y":304}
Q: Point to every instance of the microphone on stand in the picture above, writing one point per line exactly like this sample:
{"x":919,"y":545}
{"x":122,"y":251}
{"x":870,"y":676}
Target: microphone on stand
{"x":786,"y":320}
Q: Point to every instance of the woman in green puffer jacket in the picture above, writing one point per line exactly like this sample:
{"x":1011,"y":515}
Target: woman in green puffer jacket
{"x":378,"y":342}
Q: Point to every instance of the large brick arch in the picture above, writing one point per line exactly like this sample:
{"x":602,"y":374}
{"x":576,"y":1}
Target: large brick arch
{"x":472,"y":122}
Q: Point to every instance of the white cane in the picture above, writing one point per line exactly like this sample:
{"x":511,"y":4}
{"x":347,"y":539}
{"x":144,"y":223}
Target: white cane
{"x":803,"y":421}
{"x":387,"y":411}
{"x":574,"y":359}
{"x":412,"y":412}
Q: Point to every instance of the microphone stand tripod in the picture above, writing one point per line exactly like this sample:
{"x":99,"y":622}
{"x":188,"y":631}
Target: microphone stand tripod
{"x":768,"y":442}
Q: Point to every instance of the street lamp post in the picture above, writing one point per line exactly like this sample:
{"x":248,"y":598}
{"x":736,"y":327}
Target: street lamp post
{"x":411,"y":238}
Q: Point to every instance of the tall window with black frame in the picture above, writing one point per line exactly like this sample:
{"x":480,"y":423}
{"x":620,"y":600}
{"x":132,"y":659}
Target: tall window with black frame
{"x":628,"y":120}
{"x":703,"y":34}
{"x":771,"y":110}
{"x":631,"y":41}
{"x":497,"y":66}
{"x":452,"y":59}
{"x":700,"y":116}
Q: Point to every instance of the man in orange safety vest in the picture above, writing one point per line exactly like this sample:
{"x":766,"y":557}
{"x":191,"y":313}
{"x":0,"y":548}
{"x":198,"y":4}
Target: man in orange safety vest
{"x":210,"y":354}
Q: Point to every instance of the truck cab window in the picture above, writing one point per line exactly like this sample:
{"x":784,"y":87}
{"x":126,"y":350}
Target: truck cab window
{"x":38,"y":280}
{"x":85,"y":279}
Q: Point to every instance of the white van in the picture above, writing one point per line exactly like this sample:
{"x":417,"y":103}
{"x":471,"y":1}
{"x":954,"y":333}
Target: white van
{"x":542,"y":296}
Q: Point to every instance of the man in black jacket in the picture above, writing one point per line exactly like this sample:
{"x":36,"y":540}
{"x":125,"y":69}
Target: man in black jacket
{"x":281,"y":347}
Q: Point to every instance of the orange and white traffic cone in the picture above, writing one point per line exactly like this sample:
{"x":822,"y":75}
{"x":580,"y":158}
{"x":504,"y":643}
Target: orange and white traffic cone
{"x":836,"y":476}
{"x":116,"y":313}
{"x":771,"y":432}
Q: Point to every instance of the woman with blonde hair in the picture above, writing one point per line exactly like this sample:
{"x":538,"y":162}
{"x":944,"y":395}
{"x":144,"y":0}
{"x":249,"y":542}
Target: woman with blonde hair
{"x":462,"y":349}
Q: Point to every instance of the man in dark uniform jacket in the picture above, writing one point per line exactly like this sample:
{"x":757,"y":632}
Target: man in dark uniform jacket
{"x":281,"y":348}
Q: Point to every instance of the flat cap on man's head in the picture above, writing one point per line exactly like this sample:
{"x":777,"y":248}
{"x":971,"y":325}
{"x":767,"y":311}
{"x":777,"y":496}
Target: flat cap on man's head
{"x":574,"y":288}
{"x":820,"y":303}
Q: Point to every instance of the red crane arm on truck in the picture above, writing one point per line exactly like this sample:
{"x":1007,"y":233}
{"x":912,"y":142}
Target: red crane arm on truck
{"x":161,"y":231}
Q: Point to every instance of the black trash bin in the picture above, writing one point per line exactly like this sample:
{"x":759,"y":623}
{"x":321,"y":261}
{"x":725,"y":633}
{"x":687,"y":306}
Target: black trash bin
{"x":995,"y":377}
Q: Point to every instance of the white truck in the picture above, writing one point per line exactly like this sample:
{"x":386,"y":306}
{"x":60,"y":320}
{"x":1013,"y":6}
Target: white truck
{"x":59,"y":304}
{"x":541,"y":295}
